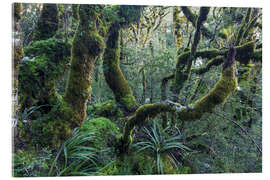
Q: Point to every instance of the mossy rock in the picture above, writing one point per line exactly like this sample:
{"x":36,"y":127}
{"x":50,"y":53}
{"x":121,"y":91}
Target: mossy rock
{"x":104,"y":129}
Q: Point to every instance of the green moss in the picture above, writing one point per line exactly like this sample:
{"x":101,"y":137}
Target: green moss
{"x":208,"y":53}
{"x":225,"y":32}
{"x":244,"y":72}
{"x":177,"y":26}
{"x":47,"y":24}
{"x":104,"y":129}
{"x":47,"y":62}
{"x":50,"y":129}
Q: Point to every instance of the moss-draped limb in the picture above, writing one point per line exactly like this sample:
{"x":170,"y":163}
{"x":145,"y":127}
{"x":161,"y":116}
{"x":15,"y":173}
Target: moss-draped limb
{"x":47,"y":24}
{"x":193,"y":19}
{"x":87,"y":46}
{"x":112,"y":72}
{"x":243,"y":26}
{"x":244,"y":53}
{"x":218,"y":95}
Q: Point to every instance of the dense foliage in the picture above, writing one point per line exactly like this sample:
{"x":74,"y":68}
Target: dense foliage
{"x":130,"y":90}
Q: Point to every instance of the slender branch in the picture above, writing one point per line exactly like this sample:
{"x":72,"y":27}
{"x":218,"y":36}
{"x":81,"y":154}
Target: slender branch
{"x":192,"y":18}
{"x":197,"y":37}
{"x":245,"y":21}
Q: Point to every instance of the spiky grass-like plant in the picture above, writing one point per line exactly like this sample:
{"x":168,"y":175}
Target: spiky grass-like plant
{"x":161,"y":146}
{"x":76,"y":157}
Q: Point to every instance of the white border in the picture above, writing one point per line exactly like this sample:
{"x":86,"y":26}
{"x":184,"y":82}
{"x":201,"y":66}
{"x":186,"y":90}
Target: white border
{"x":5,"y":81}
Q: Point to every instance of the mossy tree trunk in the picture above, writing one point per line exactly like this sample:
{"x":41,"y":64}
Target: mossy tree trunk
{"x":112,"y":72}
{"x":111,"y":57}
{"x":63,"y":113}
{"x":87,"y":46}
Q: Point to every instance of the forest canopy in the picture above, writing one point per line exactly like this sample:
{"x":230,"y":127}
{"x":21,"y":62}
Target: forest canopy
{"x":131,"y":90}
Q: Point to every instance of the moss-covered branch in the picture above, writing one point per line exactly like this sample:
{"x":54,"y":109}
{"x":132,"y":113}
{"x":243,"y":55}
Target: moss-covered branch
{"x":193,"y":19}
{"x":218,"y":95}
{"x":244,"y":24}
{"x":244,"y":53}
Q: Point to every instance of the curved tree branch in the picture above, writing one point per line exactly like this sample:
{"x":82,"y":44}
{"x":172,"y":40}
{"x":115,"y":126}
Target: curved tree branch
{"x":218,"y":95}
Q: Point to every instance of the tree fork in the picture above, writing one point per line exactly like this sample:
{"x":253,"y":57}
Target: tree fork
{"x":192,"y":18}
